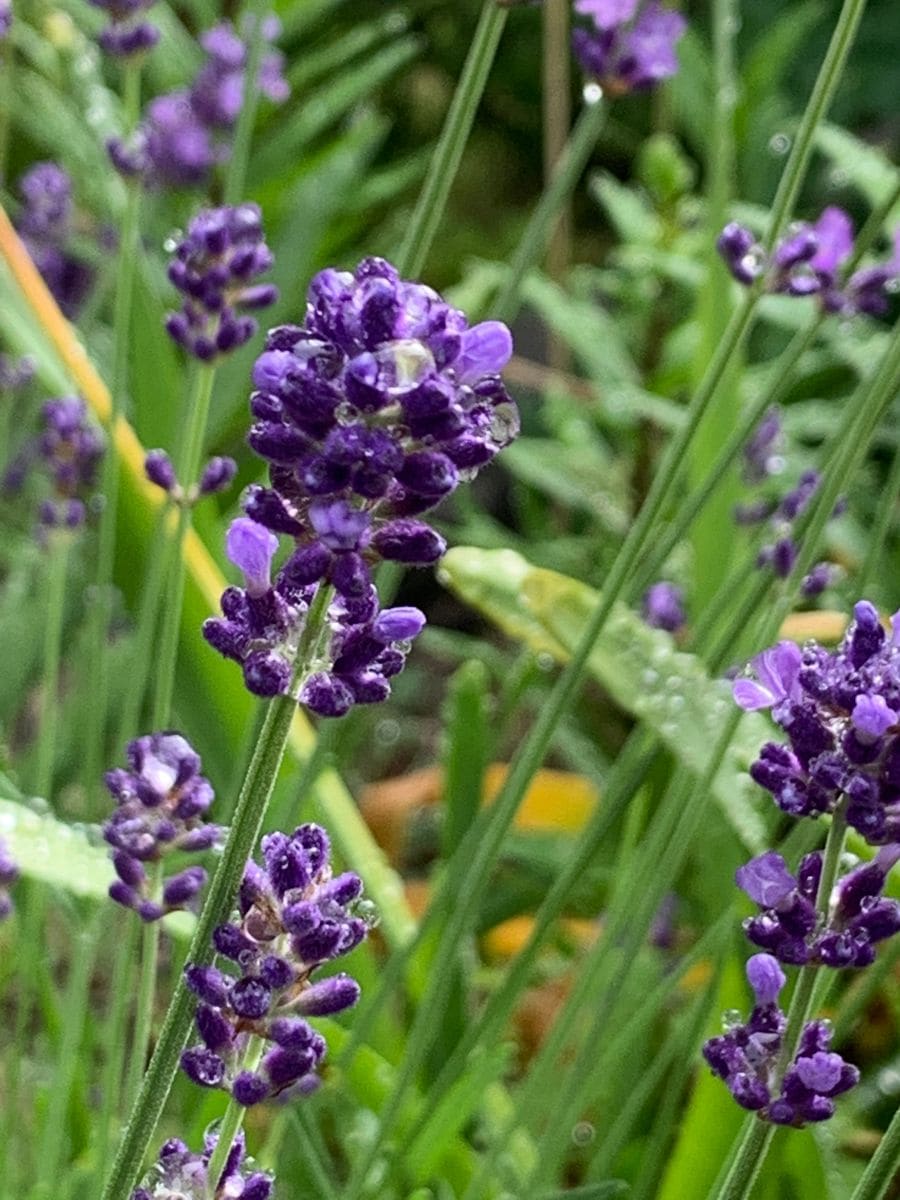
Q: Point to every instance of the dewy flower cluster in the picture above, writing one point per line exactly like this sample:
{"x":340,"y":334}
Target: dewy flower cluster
{"x":631,"y":46}
{"x":369,"y":414}
{"x":748,"y":1058}
{"x":126,"y":34}
{"x":294,"y":917}
{"x":762,"y":460}
{"x":216,"y":476}
{"x":214,"y":267}
{"x":807,"y":262}
{"x":840,"y":711}
{"x":162,"y":800}
{"x":179,"y":1174}
{"x":185,"y":134}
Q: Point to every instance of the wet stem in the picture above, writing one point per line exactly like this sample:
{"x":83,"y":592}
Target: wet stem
{"x":232,"y":1121}
{"x":256,"y":791}
{"x":59,"y":544}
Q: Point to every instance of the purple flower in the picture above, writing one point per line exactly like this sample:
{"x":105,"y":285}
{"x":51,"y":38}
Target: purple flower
{"x":45,"y":225}
{"x":369,"y":414}
{"x":162,"y":801}
{"x":747,"y":1058}
{"x":294,"y":916}
{"x":761,"y":451}
{"x":179,"y":1174}
{"x":766,"y":879}
{"x":9,"y":873}
{"x":251,"y":547}
{"x":68,"y":451}
{"x":776,"y":672}
{"x":632,"y":44}
{"x":214,"y":266}
{"x":663,"y":607}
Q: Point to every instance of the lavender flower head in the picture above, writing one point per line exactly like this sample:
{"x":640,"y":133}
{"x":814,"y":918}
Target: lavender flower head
{"x":631,"y":46}
{"x":186,"y":133}
{"x":369,"y":414}
{"x":15,"y":373}
{"x":162,"y":801}
{"x":126,"y":34}
{"x":294,"y":916}
{"x":214,"y":267}
{"x":663,"y":607}
{"x":5,"y":18}
{"x":788,"y":925}
{"x":840,"y":711}
{"x":45,"y":226}
{"x":69,"y":450}
{"x":9,"y":873}
{"x":808,"y":261}
{"x":747,"y":1057}
{"x":179,"y":1174}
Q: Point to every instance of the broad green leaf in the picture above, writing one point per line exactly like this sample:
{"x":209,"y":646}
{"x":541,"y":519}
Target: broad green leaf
{"x":53,"y":852}
{"x":630,"y":213}
{"x":866,"y":167}
{"x":640,"y":668}
{"x":578,"y":476}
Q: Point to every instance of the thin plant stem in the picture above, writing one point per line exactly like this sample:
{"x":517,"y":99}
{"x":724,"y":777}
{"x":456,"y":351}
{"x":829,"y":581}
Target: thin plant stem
{"x":885,"y":514}
{"x":883,"y":1165}
{"x":57,"y":571}
{"x":188,"y":469}
{"x":556,"y":106}
{"x":146,"y":995}
{"x":115,"y":1038}
{"x":537,"y":232}
{"x":236,"y":173}
{"x":7,"y":85}
{"x":231,"y":1122}
{"x":432,"y":202}
{"x":256,"y":792}
{"x":126,"y":271}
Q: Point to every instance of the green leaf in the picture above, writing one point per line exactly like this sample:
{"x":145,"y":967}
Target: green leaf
{"x":608,"y":1189}
{"x":632,"y":216}
{"x":866,"y":167}
{"x":53,"y":852}
{"x":640,"y":668}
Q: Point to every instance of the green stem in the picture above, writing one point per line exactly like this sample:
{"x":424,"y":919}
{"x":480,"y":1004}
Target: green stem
{"x":236,"y":175}
{"x":7,"y":67}
{"x":57,"y":561}
{"x":143,"y":1019}
{"x":432,"y":202}
{"x":188,"y":469}
{"x":536,"y":235}
{"x":885,"y":512}
{"x":883,"y":1165}
{"x":129,"y":248}
{"x":256,"y":792}
{"x":115,"y":1038}
{"x":231,"y":1122}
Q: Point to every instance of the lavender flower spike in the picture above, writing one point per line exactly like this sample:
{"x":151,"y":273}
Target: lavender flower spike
{"x":631,"y":46}
{"x":162,"y":800}
{"x":294,"y":916}
{"x":663,"y":607}
{"x":213,"y":268}
{"x":180,"y":1174}
{"x":747,"y":1058}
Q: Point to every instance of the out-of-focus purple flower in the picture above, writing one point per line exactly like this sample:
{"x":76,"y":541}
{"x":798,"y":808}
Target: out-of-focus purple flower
{"x":776,"y":673}
{"x":179,"y":1174}
{"x":369,"y":414}
{"x":216,"y":476}
{"x":808,"y":260}
{"x":45,"y":226}
{"x":9,"y":873}
{"x":747,"y":1057}
{"x":126,"y":34}
{"x":162,"y":801}
{"x":294,"y":916}
{"x":663,"y":607}
{"x":214,"y":268}
{"x":631,"y":46}
{"x":67,"y":450}
{"x":5,"y":18}
{"x":761,"y":452}
{"x":185,"y":134}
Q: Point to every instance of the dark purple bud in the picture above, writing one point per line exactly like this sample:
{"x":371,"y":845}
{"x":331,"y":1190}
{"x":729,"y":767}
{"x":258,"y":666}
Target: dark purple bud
{"x":329,"y":996}
{"x":428,"y":473}
{"x":159,"y":470}
{"x":250,"y":998}
{"x":217,"y":475}
{"x":267,"y":674}
{"x":410,"y":542}
{"x":284,"y":1065}
{"x":276,"y":973}
{"x":182,"y":888}
{"x":326,"y":696}
{"x":208,"y":984}
{"x":203,"y":1067}
{"x":398,"y":624}
{"x":214,"y":1028}
{"x":249,"y":1089}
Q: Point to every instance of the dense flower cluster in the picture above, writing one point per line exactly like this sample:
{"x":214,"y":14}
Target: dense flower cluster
{"x":185,"y":134}
{"x":369,"y":414}
{"x":631,"y":46}
{"x":162,"y":800}
{"x":808,"y":261}
{"x":45,"y":226}
{"x":216,"y":476}
{"x":763,"y":459}
{"x":15,"y":373}
{"x":214,"y":267}
{"x":789,"y":926}
{"x":663,"y":607}
{"x":840,"y":710}
{"x":294,"y":917}
{"x":9,"y":873}
{"x":747,"y":1058}
{"x":5,"y":18}
{"x":126,"y":34}
{"x":180,"y":1174}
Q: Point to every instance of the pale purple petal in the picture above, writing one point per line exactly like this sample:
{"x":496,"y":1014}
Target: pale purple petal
{"x":766,"y":978}
{"x":251,"y":547}
{"x":766,"y":879}
{"x":485,"y":350}
{"x":778,"y":667}
{"x":834,"y":232}
{"x":872,"y":717}
{"x":821,"y":1071}
{"x":750,"y":695}
{"x":607,"y":14}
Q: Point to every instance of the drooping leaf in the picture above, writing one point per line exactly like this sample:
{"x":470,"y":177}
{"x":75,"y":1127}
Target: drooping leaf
{"x":640,"y":667}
